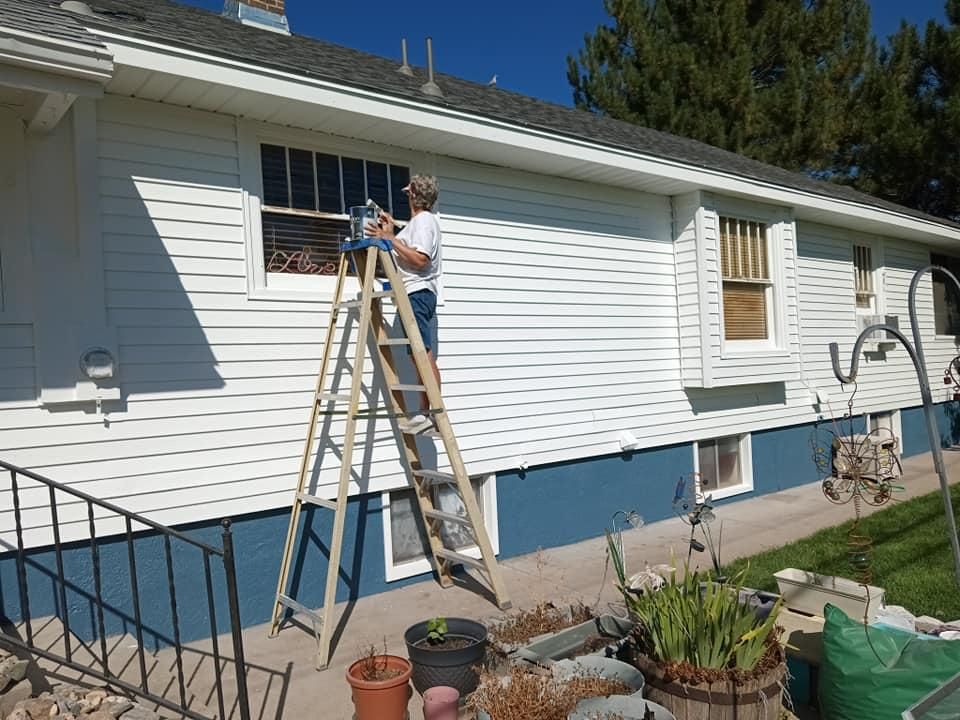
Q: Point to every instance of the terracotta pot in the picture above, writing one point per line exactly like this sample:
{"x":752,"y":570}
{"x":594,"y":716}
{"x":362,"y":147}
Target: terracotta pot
{"x":381,"y":699}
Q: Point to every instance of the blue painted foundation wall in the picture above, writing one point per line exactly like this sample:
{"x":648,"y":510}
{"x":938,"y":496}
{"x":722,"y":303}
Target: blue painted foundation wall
{"x":546,"y":507}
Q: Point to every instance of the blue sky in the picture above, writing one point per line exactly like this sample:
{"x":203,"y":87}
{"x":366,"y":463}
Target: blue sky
{"x":524,"y":42}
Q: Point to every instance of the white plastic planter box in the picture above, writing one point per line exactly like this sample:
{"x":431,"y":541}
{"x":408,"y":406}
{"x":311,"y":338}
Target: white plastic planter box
{"x":808,"y":592}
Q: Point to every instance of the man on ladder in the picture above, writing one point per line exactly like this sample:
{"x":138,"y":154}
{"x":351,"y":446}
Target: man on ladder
{"x":411,"y":263}
{"x":419,"y":256}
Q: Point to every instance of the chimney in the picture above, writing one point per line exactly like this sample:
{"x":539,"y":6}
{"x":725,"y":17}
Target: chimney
{"x":264,"y":14}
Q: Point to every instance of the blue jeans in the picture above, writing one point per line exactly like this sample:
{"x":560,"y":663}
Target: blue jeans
{"x":424,"y":304}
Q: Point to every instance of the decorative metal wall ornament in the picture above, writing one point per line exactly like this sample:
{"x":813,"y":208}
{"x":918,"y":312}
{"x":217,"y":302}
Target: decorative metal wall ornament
{"x":915,"y":351}
{"x":951,"y":376}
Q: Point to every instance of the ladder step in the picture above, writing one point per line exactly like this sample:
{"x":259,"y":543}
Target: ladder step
{"x":289,"y":602}
{"x":436,"y":477}
{"x":407,"y":388}
{"x":395,"y":341}
{"x":449,"y":517}
{"x":314,"y":500}
{"x":332,"y":397}
{"x":460,"y":558}
{"x":359,"y":302}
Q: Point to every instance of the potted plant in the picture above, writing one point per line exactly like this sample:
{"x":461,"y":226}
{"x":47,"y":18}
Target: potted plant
{"x":446,"y":651}
{"x":704,"y":652}
{"x":380,"y":683}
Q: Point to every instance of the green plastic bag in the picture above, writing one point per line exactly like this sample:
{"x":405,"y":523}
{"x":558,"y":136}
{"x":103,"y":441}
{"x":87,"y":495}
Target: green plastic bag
{"x":855,"y":685}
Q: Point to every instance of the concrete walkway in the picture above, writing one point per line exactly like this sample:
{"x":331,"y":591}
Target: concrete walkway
{"x":283,"y":681}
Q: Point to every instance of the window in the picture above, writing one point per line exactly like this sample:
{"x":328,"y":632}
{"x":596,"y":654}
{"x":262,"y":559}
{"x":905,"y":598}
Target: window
{"x":306,"y":200}
{"x":946,"y":303}
{"x":747,"y":286}
{"x":405,"y":541}
{"x":724,"y":466}
{"x":863,"y":278}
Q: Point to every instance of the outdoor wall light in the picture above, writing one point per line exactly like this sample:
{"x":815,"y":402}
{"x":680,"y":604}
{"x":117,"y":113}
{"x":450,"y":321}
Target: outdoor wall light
{"x":628,"y":441}
{"x":97,"y":363}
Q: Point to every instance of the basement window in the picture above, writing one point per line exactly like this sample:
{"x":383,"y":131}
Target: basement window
{"x":723,"y":466}
{"x":406,"y":549}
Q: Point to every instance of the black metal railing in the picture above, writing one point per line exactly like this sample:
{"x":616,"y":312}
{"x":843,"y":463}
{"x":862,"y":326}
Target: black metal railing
{"x":130,"y":612}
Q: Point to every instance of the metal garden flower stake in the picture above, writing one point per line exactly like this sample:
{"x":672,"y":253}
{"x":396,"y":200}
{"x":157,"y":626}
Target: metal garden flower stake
{"x":915,"y":351}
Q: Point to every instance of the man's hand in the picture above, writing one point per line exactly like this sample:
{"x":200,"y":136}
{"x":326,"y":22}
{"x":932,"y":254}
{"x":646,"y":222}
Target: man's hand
{"x":383,"y":229}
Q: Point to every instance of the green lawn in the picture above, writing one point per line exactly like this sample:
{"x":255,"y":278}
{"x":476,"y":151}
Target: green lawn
{"x":912,"y":558}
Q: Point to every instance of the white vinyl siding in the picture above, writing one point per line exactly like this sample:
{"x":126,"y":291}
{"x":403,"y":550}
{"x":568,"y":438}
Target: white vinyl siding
{"x":570,"y":307}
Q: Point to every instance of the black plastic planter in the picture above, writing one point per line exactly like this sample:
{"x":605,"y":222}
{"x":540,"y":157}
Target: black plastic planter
{"x":433,"y":665}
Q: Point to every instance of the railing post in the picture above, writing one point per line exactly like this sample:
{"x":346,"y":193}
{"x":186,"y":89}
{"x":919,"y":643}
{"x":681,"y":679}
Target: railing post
{"x":233,"y":599}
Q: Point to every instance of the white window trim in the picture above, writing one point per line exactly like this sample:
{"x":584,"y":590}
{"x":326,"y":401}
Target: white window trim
{"x":775,"y":344}
{"x":488,"y":489}
{"x":894,"y":421}
{"x":746,"y":468}
{"x":876,"y":254}
{"x":280,"y":286}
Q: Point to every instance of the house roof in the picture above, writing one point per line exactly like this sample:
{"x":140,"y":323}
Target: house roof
{"x":46,"y":20}
{"x":189,"y":27}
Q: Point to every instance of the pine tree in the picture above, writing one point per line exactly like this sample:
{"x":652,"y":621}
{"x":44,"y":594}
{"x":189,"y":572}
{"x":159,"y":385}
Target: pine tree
{"x":909,"y":149}
{"x":770,"y":79}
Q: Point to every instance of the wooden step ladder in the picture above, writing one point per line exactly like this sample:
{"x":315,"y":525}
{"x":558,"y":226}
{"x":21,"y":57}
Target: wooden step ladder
{"x":365,"y":258}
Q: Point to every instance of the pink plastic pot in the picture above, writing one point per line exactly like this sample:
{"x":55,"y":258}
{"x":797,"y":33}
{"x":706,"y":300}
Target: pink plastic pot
{"x":441,"y":703}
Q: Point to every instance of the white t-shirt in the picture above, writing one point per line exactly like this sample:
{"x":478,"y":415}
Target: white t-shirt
{"x":422,"y":233}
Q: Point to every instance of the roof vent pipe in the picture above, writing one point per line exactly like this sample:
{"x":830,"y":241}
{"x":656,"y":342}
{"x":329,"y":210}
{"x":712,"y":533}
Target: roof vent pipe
{"x":430,"y":87}
{"x":405,"y":68}
{"x":76,"y":7}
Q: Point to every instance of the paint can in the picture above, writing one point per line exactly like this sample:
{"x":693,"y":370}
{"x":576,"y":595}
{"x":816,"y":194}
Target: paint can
{"x":360,"y":216}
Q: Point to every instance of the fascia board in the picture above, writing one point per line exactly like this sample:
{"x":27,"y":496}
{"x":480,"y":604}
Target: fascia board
{"x":182,"y":62}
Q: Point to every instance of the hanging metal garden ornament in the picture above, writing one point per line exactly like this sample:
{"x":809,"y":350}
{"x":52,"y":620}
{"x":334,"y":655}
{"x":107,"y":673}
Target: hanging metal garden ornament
{"x":857,"y":465}
{"x":696,"y":510}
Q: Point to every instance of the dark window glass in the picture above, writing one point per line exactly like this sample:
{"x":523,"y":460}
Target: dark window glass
{"x":301,"y":180}
{"x":946,"y":303}
{"x":399,"y":177}
{"x":378,"y":183}
{"x":354,"y":188}
{"x":328,"y":183}
{"x":273,"y":162}
{"x":302,"y":245}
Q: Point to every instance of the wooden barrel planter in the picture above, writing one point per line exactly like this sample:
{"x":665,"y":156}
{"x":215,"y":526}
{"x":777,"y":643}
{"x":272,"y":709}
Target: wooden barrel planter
{"x":756,"y":699}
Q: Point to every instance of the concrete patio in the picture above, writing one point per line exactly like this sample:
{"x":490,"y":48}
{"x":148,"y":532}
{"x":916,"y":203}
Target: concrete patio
{"x":284,"y":684}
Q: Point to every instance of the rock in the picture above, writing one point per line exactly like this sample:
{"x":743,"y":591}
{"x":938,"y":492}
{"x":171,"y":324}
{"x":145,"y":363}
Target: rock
{"x":19,"y":714}
{"x":138,"y":712}
{"x":97,"y":696}
{"x":39,"y":708}
{"x":115,"y":706}
{"x":13,"y":669}
{"x":98,"y":715}
{"x":20,"y":692}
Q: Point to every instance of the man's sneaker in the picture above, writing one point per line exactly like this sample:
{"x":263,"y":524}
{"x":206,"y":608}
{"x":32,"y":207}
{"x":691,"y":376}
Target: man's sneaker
{"x":418,"y":423}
